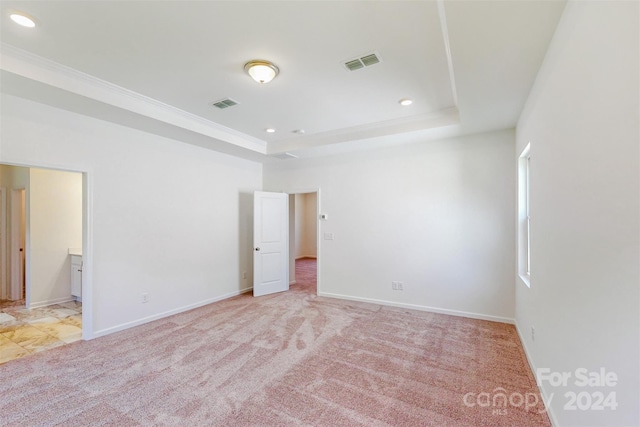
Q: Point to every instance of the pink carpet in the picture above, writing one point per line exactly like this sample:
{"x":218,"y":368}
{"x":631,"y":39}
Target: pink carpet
{"x":288,"y":359}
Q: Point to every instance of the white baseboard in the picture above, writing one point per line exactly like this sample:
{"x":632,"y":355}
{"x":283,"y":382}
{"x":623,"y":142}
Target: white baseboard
{"x":39,"y":304}
{"x":293,"y":282}
{"x":162,"y":315}
{"x":422,"y":308}
{"x":532,"y":366}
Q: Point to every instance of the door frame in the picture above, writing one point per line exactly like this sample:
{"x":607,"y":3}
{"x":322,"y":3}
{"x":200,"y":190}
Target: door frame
{"x":87,"y":238}
{"x":318,"y":230}
{"x":19,"y":239}
{"x":4,"y":289}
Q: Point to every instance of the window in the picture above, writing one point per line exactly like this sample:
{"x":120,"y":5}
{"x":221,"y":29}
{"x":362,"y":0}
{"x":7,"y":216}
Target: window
{"x":527,"y":212}
{"x":524,"y":216}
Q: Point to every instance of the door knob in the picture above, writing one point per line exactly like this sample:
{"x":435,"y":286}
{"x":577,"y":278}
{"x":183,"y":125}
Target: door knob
{"x":257,"y":249}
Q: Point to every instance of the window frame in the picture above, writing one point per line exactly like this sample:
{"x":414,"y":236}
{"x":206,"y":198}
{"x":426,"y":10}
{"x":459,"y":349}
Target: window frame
{"x":524,"y":215}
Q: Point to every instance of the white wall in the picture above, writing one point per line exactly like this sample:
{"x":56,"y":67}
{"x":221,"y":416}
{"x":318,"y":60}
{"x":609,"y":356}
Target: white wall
{"x":582,"y":121}
{"x":55,"y":225}
{"x":168,"y":219}
{"x":306,"y":225}
{"x":437,"y":216}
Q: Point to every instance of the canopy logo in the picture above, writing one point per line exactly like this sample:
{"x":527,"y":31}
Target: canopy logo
{"x":499,"y":401}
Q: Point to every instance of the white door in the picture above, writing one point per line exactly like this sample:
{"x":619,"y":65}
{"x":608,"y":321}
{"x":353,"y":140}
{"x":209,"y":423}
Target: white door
{"x":270,"y":243}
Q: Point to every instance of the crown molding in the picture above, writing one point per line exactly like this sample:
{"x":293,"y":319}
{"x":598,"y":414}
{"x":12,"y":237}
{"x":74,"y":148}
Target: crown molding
{"x":31,"y":66}
{"x":447,"y":48}
{"x":436,"y":119}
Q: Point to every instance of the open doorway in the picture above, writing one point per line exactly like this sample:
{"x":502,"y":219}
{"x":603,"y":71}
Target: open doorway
{"x":43,"y":214}
{"x":303,"y":241}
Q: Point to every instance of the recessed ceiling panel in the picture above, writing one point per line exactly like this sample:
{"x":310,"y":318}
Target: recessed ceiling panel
{"x":330,"y":92}
{"x":189,"y":54}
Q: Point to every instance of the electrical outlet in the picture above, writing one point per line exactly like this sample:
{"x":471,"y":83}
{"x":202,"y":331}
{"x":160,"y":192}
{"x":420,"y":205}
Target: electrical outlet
{"x":145,"y":298}
{"x":244,"y":274}
{"x":396,"y":286}
{"x":533,"y":334}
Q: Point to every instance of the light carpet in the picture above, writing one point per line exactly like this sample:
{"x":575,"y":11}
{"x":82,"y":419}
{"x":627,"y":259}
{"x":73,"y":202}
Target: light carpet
{"x":289,"y":359}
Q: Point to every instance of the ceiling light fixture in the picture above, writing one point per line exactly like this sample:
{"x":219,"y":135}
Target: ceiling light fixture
{"x":22,"y":19}
{"x":270,"y":130}
{"x":405,"y":102}
{"x":261,"y":71}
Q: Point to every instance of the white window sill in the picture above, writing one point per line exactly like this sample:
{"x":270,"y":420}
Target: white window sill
{"x":526,"y":279}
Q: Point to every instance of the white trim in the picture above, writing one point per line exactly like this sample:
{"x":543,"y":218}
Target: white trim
{"x":18,"y":274}
{"x":50,"y":302}
{"x":422,"y":308}
{"x":318,"y":242}
{"x":3,"y":243}
{"x":87,"y":256}
{"x":168,"y":313}
{"x":27,"y":243}
{"x":532,"y":366}
{"x":447,"y":48}
{"x":449,"y":116}
{"x":523,"y":232}
{"x":292,"y":282}
{"x":37,"y":68}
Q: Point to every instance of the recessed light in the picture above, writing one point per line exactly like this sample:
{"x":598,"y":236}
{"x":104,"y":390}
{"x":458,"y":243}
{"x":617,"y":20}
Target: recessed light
{"x":405,"y":102}
{"x":269,"y":130}
{"x":22,"y":19}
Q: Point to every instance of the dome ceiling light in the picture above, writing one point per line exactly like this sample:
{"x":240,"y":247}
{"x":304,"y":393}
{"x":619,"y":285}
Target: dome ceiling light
{"x":261,"y":71}
{"x":22,"y":19}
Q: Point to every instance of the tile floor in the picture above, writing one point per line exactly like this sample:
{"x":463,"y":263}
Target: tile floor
{"x":24,"y":331}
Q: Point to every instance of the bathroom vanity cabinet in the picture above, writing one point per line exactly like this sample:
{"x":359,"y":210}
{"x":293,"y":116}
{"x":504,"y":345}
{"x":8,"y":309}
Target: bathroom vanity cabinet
{"x":76,"y":276}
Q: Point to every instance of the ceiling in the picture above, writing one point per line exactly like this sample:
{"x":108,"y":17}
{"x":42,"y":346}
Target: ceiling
{"x":158,"y":66}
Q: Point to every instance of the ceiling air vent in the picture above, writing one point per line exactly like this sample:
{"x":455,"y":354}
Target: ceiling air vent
{"x":363,"y":61}
{"x":370,"y":59}
{"x":354,"y":65}
{"x":225,"y":103}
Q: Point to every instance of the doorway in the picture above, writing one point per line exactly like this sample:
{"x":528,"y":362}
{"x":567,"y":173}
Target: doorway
{"x":46,"y":232}
{"x":303,"y":240}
